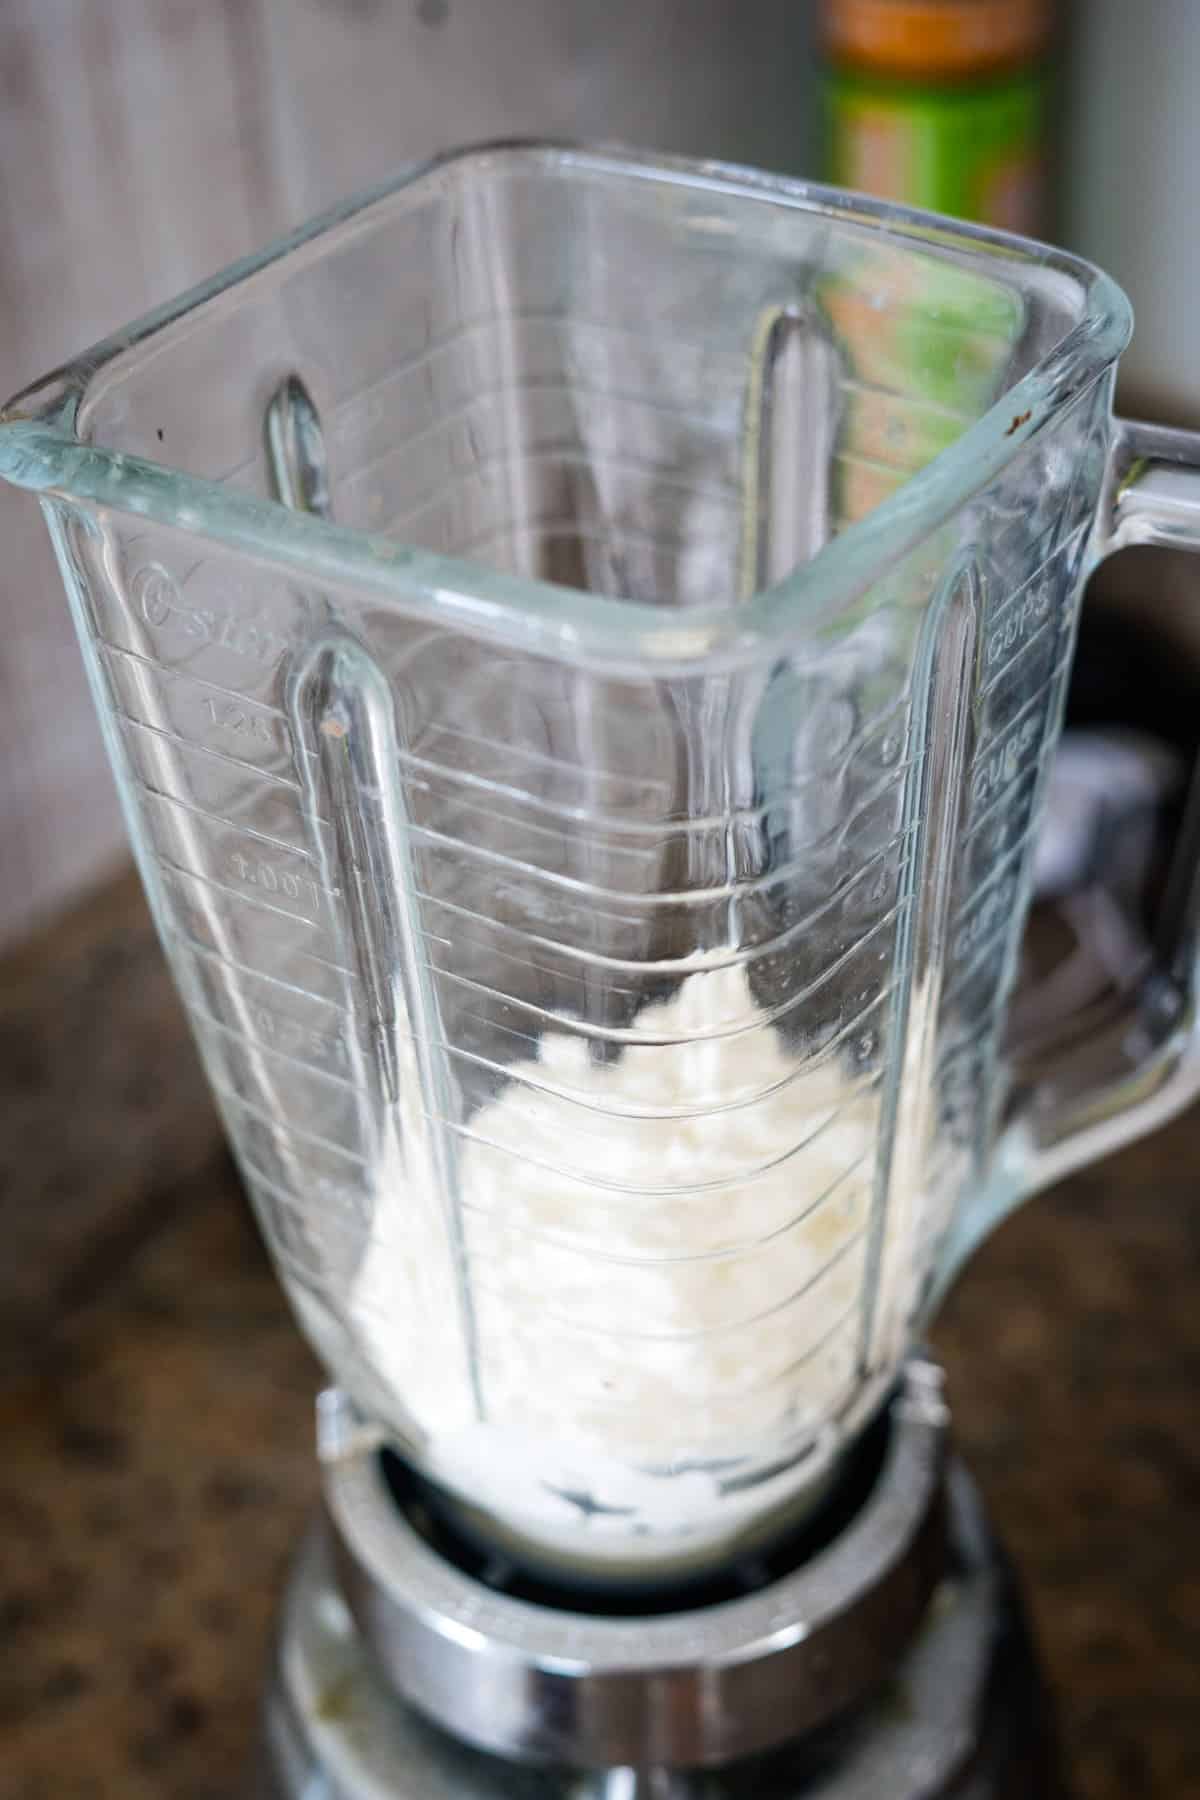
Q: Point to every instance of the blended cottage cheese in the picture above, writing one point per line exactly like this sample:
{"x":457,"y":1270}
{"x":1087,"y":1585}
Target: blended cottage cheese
{"x":665,"y":1260}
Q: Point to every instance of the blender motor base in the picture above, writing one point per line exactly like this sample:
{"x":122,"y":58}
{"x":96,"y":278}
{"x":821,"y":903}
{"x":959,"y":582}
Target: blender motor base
{"x":963,"y":1716}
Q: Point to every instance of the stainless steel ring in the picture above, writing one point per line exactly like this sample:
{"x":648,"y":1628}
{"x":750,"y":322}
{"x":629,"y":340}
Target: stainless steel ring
{"x":691,"y":1689}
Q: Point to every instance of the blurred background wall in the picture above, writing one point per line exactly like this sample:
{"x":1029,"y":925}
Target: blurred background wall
{"x":143,"y":143}
{"x":1130,"y":176}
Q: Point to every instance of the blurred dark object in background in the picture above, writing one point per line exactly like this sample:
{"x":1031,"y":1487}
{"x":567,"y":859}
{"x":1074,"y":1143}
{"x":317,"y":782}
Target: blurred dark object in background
{"x":1131,"y":671}
{"x":1113,"y":809}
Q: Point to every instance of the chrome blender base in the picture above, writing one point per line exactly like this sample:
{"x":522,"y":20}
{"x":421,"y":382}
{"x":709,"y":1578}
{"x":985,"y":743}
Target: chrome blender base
{"x":963,"y":1716}
{"x":960,"y":1714}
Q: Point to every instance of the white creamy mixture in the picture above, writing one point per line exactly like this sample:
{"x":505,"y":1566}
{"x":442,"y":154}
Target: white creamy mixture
{"x":665,"y":1259}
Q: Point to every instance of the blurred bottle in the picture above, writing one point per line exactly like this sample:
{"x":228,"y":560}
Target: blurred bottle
{"x":944,"y":104}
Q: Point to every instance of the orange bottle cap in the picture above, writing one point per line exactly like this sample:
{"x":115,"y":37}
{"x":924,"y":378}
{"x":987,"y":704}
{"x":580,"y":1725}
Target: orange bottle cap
{"x":936,"y":39}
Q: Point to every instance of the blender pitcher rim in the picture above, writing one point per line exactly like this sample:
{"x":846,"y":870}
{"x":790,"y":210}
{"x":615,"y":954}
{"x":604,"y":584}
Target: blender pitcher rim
{"x":41,"y":450}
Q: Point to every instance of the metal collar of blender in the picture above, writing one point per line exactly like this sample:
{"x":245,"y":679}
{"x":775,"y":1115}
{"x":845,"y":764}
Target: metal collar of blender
{"x":962,"y":1711}
{"x":694,"y":1689}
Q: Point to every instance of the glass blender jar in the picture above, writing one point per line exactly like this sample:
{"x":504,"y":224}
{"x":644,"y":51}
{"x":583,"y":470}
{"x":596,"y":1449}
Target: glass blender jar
{"x":580,"y":638}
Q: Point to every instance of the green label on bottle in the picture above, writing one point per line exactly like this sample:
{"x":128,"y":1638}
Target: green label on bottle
{"x":975,"y":153}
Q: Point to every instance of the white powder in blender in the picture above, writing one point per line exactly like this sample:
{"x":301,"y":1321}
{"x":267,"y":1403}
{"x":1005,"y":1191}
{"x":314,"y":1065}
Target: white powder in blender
{"x":665,"y":1258}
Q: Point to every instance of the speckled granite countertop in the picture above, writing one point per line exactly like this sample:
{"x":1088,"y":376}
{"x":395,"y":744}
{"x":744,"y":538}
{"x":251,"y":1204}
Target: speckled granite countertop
{"x":155,"y":1412}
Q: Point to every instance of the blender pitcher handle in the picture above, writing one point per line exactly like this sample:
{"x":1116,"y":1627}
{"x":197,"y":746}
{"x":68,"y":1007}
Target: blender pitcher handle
{"x":1131,"y":1070}
{"x":1133,"y":1074}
